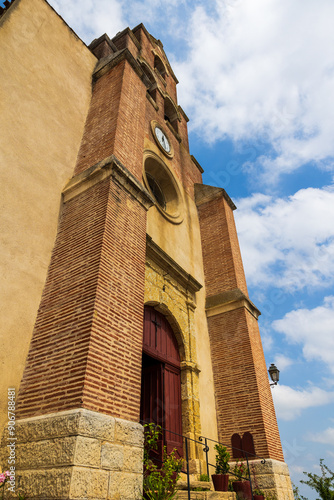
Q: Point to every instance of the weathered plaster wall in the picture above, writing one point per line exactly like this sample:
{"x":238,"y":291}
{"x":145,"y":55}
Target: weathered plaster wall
{"x":45,"y":94}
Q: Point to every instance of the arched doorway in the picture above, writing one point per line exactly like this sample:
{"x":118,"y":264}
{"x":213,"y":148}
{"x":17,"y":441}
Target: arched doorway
{"x":161,"y":379}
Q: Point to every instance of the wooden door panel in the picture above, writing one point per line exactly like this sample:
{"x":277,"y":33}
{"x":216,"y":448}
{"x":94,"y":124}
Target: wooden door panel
{"x":158,"y":338}
{"x":152,"y":409}
{"x":151,"y":406}
{"x":161,"y":379}
{"x":172,"y":414}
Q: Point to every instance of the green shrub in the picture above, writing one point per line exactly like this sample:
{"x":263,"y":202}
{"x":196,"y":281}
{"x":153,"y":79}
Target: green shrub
{"x":222,"y":459}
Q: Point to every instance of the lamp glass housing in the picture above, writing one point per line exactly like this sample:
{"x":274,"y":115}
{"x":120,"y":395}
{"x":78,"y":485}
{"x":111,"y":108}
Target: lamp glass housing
{"x":274,"y":373}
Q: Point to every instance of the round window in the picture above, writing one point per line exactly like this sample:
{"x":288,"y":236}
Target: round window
{"x":156,"y":191}
{"x":163,"y":187}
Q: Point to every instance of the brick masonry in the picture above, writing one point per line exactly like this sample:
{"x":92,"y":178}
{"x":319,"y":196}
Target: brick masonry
{"x":114,"y":122}
{"x":86,"y":346}
{"x":243,"y":395}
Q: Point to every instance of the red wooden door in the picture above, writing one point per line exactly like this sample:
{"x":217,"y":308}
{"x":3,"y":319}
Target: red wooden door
{"x":152,"y":393}
{"x":151,"y":405}
{"x":161,"y":379}
{"x":172,"y":413}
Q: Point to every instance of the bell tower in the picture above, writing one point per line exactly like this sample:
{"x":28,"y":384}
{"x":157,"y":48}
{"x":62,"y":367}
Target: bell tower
{"x":145,"y":284}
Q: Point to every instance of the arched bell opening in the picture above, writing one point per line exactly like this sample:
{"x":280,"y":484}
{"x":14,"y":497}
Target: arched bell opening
{"x":170,"y":113}
{"x":159,"y":67}
{"x":150,"y":81}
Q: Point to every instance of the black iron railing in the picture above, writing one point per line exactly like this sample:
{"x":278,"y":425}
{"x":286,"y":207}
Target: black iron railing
{"x":4,"y":5}
{"x":246,"y":457}
{"x":203,"y":441}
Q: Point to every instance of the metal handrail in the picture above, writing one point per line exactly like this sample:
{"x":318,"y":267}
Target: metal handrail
{"x":206,"y":450}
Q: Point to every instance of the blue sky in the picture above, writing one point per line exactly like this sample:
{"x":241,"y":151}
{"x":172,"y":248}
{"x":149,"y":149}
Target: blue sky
{"x":257,"y":80}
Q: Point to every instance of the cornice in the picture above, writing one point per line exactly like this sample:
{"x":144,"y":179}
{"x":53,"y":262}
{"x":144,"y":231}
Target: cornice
{"x":102,"y":38}
{"x":109,"y":62}
{"x":129,"y":32}
{"x":229,"y":301}
{"x":109,"y":167}
{"x":197,"y":164}
{"x":181,"y":110}
{"x":191,"y":366}
{"x":166,"y":263}
{"x":205,"y":194}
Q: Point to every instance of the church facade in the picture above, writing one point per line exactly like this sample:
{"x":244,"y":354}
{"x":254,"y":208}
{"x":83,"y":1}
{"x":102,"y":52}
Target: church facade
{"x":125,"y":298}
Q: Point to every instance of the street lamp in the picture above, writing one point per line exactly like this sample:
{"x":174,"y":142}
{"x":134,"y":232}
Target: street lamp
{"x":274,"y":373}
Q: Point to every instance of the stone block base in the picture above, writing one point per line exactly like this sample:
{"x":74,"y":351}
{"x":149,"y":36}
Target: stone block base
{"x":77,"y":454}
{"x":273,"y":477}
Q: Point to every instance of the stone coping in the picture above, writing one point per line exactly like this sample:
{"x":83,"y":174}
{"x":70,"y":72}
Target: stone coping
{"x":79,"y":422}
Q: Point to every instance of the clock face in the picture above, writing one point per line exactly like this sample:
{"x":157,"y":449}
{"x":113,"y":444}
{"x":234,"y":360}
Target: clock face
{"x":163,"y":141}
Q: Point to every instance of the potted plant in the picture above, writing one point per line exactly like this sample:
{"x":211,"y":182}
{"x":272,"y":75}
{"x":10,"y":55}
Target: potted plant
{"x":220,"y":478}
{"x":241,"y":485}
{"x":258,"y":494}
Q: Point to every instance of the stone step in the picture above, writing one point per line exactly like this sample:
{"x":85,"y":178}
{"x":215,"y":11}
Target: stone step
{"x":206,"y":495}
{"x":204,"y":485}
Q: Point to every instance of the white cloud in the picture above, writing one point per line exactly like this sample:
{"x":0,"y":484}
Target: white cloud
{"x":296,"y":469}
{"x":326,"y":436}
{"x":313,"y":328}
{"x":283,"y":362}
{"x":288,"y":242}
{"x":289,"y":402}
{"x":263,"y":68}
{"x":90,"y":19}
{"x":253,"y":70}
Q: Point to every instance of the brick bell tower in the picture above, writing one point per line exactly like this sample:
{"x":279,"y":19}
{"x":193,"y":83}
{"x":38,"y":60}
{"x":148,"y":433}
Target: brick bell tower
{"x":138,"y":228}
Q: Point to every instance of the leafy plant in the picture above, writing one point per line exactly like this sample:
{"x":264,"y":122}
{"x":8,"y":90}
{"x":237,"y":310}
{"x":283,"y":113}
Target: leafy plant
{"x":222,"y":459}
{"x":152,"y":433}
{"x":230,"y":485}
{"x":159,"y":484}
{"x":204,"y":477}
{"x":4,"y":477}
{"x":324,"y":484}
{"x":257,"y":490}
{"x":296,"y":494}
{"x":240,"y":471}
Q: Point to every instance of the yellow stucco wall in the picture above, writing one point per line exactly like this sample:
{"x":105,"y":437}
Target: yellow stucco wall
{"x":45,"y":94}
